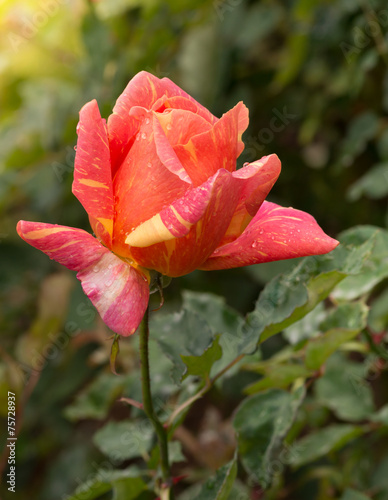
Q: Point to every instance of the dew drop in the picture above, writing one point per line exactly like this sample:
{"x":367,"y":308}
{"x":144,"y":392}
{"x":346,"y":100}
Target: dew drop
{"x":149,"y":164}
{"x":246,"y":163}
{"x":298,"y":230}
{"x":169,"y":126}
{"x":272,"y":237}
{"x":254,"y":244}
{"x":96,"y":269}
{"x":75,"y":148}
{"x":261,"y":231}
{"x":138,"y":137}
{"x":143,"y":135}
{"x":147,"y":120}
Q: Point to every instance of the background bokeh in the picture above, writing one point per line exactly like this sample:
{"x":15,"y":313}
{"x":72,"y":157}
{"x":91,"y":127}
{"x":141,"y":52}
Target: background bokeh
{"x":314,"y":75}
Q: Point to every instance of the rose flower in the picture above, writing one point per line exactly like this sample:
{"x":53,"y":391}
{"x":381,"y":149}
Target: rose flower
{"x":159,"y":183}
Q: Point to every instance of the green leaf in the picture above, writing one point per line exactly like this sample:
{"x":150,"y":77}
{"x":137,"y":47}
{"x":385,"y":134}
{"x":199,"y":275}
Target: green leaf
{"x":261,"y":422}
{"x":306,"y":327}
{"x":343,"y":324}
{"x":122,"y":481}
{"x":373,"y":270}
{"x":288,"y":298}
{"x":219,"y":486}
{"x":278,"y":376}
{"x":378,"y":314}
{"x":95,"y":401}
{"x":381,"y":416}
{"x":128,"y":488}
{"x":373,"y":184}
{"x":361,"y":130}
{"x":318,"y":350}
{"x":350,"y":494}
{"x":322,"y":442}
{"x":200,"y":366}
{"x":123,"y":440}
{"x":185,"y":333}
{"x":221,"y":318}
{"x":344,"y":390}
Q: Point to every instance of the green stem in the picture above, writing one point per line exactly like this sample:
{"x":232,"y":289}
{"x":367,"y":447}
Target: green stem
{"x":149,"y":407}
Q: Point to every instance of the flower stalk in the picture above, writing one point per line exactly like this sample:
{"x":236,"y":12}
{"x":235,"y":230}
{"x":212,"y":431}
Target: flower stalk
{"x":148,"y":408}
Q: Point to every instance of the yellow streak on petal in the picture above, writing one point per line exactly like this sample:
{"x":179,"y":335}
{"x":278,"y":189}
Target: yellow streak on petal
{"x":37,"y":234}
{"x":108,"y":224}
{"x":153,"y":231}
{"x":92,"y":183}
{"x":150,"y":232}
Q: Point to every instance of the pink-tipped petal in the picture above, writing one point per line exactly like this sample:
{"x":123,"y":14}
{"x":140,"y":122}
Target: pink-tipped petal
{"x":197,"y":221}
{"x":257,"y":178}
{"x":275,"y":233}
{"x":92,"y":183}
{"x":216,"y":148}
{"x":71,"y":247}
{"x":143,"y":90}
{"x":117,"y":290}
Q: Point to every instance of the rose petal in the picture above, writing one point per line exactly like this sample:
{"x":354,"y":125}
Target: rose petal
{"x":71,"y":247}
{"x":258,"y":178}
{"x":177,"y":219}
{"x":275,"y":233}
{"x":92,"y":183}
{"x":183,"y":254}
{"x":143,"y":90}
{"x":117,"y":290}
{"x":180,"y":125}
{"x":216,"y":148}
{"x":150,"y":179}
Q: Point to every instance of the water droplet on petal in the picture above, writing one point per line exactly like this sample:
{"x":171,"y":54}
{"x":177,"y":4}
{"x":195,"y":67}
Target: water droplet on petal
{"x":298,"y":230}
{"x":149,"y":164}
{"x":254,"y":244}
{"x":138,"y":137}
{"x":75,"y":148}
{"x":96,"y":269}
{"x":147,"y":120}
{"x":143,"y":135}
{"x":261,"y":231}
{"x":246,"y":163}
{"x":169,"y":126}
{"x":272,"y":237}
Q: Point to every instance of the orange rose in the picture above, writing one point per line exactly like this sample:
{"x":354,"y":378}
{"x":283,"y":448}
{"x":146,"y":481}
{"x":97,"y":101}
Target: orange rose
{"x":160,"y":185}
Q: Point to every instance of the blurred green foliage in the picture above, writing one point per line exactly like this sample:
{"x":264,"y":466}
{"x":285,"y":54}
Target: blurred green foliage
{"x":314,"y":75}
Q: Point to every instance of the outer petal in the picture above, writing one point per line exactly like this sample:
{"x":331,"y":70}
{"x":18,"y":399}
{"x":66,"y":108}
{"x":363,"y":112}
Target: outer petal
{"x":117,"y":290}
{"x":216,"y":148}
{"x":143,"y":90}
{"x":150,"y":179}
{"x":275,"y":233}
{"x":197,"y":222}
{"x":92,"y":171}
{"x":258,"y":178}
